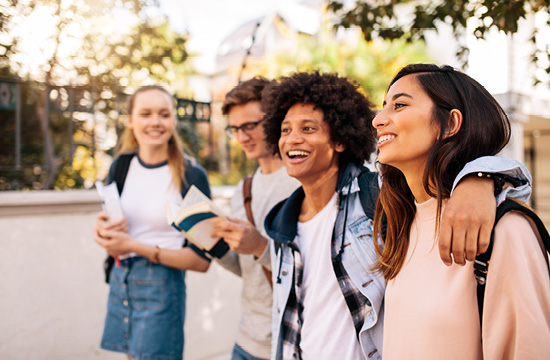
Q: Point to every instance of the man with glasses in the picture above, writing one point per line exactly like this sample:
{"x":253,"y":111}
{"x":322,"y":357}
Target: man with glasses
{"x":250,"y":254}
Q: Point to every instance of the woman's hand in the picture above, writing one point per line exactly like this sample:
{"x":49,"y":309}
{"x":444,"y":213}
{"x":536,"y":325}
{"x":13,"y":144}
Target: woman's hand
{"x":114,"y":242}
{"x":103,"y":223}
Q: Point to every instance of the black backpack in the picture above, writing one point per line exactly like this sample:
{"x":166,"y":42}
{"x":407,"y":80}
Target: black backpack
{"x":481,"y":264}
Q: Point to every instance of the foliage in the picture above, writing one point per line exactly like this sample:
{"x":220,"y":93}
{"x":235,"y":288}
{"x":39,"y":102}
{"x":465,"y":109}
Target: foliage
{"x":379,"y":19}
{"x":91,"y":52}
{"x":370,"y":63}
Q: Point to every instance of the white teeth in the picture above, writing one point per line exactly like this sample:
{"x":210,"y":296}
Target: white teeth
{"x":154,"y":133}
{"x":385,"y":137}
{"x":297,"y":153}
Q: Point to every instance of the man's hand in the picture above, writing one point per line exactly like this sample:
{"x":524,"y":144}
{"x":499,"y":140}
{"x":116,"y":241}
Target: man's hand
{"x":467,"y":221}
{"x":241,"y":236}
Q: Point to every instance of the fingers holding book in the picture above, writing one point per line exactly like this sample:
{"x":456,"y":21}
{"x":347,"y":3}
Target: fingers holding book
{"x":104,"y":223}
{"x":114,"y":242}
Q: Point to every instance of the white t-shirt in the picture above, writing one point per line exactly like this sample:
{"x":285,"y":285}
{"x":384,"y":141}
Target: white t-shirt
{"x":145,"y":192}
{"x":327,"y":331}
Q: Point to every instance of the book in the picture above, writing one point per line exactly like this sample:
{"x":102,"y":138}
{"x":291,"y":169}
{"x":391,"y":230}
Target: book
{"x":110,"y":202}
{"x":194,"y":218}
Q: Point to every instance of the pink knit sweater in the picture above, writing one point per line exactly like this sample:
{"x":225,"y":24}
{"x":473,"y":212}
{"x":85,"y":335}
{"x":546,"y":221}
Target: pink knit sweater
{"x":431,"y":309}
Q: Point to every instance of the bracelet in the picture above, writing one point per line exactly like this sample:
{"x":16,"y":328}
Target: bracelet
{"x":155,"y":258}
{"x":498,"y":179}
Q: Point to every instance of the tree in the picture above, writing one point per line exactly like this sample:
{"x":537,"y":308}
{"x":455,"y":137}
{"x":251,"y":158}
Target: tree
{"x":369,"y":63}
{"x":379,"y":18}
{"x":98,"y":47}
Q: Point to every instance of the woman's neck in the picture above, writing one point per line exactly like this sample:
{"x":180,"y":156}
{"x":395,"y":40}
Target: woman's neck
{"x":153,"y":156}
{"x":415,"y":181}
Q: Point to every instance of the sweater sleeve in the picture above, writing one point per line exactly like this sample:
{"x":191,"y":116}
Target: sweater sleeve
{"x":516,"y":317}
{"x":230,"y":261}
{"x":196,"y":175}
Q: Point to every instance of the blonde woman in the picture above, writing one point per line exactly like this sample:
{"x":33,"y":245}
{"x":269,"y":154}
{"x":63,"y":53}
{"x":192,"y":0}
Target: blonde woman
{"x":146,"y":307}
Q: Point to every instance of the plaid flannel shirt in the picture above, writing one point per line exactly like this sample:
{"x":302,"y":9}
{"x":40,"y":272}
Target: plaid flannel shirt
{"x":292,"y":318}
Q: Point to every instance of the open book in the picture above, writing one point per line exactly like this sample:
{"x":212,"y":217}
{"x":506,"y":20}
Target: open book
{"x":194,"y":218}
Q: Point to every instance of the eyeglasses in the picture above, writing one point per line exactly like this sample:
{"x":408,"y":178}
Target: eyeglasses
{"x":232,"y":131}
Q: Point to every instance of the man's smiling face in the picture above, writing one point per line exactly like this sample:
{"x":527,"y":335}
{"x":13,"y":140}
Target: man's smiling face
{"x":305,"y":144}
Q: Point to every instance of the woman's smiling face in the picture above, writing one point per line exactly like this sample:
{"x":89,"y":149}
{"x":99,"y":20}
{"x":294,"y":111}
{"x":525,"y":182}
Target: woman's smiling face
{"x":152,"y":118}
{"x":405,"y":130}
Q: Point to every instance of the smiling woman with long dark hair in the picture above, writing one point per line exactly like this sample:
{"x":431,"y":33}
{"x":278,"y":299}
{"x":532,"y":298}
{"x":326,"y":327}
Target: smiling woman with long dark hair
{"x":434,"y":121}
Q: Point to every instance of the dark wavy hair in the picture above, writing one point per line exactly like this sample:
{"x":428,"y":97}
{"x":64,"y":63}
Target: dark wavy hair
{"x":245,"y":92}
{"x":346,"y":110}
{"x":485,"y":131}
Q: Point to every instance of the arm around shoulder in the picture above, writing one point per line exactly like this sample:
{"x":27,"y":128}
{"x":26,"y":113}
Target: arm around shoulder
{"x":504,"y":166}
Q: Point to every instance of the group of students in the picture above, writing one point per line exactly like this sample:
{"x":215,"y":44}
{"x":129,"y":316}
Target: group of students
{"x":337,"y":261}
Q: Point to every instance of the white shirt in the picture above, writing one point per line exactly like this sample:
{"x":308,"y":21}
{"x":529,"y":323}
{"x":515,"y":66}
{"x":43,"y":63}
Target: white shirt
{"x":145,"y":192}
{"x":327,"y":330}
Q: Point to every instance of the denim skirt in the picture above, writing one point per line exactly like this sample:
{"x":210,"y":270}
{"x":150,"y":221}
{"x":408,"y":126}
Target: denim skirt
{"x":145,"y":311}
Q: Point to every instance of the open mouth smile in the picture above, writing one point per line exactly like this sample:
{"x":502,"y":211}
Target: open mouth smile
{"x":297,"y":154}
{"x":384,"y":138}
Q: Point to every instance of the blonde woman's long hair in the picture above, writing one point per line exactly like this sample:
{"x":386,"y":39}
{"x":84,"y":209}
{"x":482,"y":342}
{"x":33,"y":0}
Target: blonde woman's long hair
{"x":176,"y":158}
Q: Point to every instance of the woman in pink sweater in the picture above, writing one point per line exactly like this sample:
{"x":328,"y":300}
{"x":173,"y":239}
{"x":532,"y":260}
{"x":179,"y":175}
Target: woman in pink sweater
{"x":434,"y":120}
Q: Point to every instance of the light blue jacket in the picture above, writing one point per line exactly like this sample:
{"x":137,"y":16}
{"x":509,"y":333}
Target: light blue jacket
{"x":359,"y":256}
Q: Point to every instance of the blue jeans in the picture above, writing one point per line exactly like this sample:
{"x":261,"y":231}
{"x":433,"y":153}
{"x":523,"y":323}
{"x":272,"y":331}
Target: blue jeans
{"x":145,"y":311}
{"x":240,"y":354}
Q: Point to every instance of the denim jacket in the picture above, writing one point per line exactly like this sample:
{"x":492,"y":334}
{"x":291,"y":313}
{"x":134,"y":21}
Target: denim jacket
{"x":359,"y":256}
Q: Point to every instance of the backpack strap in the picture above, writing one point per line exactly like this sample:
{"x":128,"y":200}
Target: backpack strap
{"x":369,"y":190}
{"x":121,"y":170}
{"x":247,"y":197}
{"x":368,"y":195}
{"x":481,"y":264}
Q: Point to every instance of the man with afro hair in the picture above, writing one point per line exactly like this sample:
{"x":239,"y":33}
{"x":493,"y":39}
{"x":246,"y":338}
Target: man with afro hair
{"x":327,"y":303}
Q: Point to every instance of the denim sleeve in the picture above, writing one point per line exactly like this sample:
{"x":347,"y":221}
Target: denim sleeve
{"x":505,"y":166}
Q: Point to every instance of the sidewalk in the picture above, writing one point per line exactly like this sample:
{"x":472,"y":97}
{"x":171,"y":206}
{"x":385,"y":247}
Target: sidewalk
{"x":53,"y":295}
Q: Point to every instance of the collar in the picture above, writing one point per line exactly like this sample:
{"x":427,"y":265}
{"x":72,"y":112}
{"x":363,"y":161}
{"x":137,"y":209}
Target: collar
{"x":281,"y":224}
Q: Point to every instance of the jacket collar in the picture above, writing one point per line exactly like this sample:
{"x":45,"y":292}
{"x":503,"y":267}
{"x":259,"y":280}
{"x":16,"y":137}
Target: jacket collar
{"x":281,"y":224}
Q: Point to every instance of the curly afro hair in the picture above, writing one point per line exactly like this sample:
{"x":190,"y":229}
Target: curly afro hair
{"x":346,"y":110}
